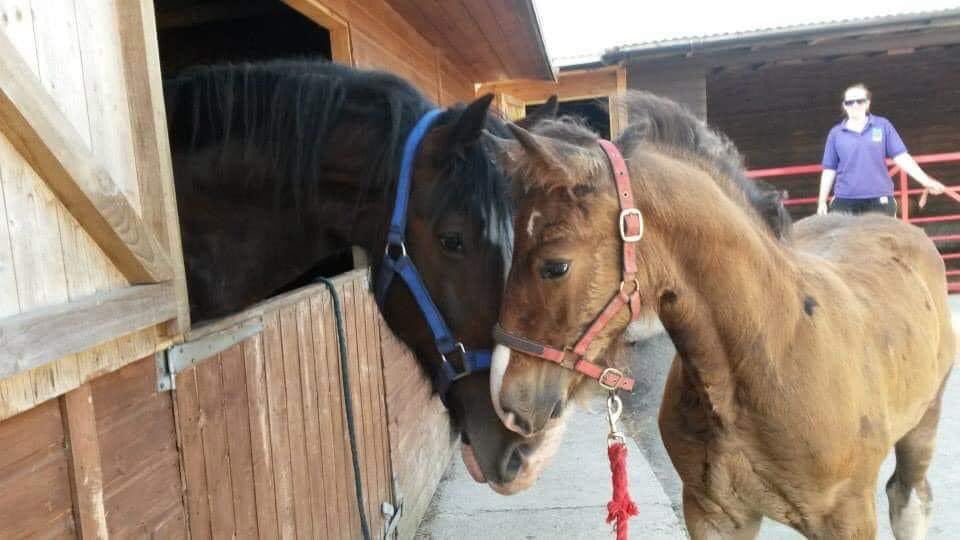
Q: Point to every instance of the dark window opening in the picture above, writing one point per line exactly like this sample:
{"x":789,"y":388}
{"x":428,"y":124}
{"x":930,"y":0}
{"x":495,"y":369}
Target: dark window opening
{"x":195,"y":32}
{"x":202,"y":32}
{"x":593,"y":111}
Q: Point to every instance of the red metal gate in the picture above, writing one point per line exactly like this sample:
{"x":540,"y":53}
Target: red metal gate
{"x":948,"y":243}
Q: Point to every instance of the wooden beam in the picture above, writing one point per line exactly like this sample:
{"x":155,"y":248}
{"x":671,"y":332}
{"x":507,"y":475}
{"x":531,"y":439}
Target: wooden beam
{"x":86,"y":474}
{"x":183,"y":17}
{"x":44,"y":137}
{"x":141,"y":69}
{"x":340,"y":44}
{"x":33,"y":338}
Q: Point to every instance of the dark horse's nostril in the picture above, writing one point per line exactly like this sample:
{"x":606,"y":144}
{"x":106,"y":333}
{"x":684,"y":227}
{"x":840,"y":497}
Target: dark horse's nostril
{"x":511,"y":465}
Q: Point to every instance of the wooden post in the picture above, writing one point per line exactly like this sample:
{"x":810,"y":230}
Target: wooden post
{"x":86,"y":476}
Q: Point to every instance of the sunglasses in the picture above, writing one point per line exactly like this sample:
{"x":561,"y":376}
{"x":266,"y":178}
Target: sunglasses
{"x":858,"y":101}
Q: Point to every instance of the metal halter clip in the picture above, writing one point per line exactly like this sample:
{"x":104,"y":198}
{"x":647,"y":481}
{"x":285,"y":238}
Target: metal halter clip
{"x":401,"y":245}
{"x":623,"y":225}
{"x":614,"y":411}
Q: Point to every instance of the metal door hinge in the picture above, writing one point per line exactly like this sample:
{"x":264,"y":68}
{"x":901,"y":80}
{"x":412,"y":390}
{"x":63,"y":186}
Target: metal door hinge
{"x":180,"y":357}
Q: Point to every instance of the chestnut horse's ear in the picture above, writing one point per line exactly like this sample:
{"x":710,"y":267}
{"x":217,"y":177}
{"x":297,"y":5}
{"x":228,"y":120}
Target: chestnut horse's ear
{"x":557,"y":163}
{"x":547,"y":111}
{"x":470,"y":124}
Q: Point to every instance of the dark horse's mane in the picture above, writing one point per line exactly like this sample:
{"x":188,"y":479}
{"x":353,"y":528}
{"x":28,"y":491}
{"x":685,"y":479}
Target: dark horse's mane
{"x":282,"y":116}
{"x":665,"y":123}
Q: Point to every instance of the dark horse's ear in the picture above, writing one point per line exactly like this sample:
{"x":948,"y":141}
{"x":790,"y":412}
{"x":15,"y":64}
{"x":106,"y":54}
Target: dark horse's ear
{"x":547,"y":111}
{"x":470,"y":124}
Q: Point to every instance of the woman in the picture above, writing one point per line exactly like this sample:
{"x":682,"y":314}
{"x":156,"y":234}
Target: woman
{"x":855,"y":156}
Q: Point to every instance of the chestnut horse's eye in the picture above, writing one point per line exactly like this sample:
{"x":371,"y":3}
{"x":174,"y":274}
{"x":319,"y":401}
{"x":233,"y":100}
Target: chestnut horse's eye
{"x":452,"y":242}
{"x":554,"y":269}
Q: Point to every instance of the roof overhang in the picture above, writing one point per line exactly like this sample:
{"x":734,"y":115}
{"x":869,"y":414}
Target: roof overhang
{"x":842,"y":37}
{"x":494,"y":40}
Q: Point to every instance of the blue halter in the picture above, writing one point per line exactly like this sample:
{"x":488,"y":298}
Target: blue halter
{"x":396,"y":261}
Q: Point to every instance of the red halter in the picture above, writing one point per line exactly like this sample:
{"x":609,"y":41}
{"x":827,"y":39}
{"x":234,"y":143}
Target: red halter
{"x":631,"y":230}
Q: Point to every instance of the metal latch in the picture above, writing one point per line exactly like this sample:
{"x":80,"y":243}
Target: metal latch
{"x":187,"y":354}
{"x":392,"y":513}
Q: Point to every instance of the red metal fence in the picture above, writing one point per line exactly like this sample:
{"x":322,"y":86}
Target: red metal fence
{"x":949,"y":244}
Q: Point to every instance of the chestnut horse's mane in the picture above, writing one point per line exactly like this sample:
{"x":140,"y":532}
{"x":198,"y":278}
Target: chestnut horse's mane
{"x":673,"y":129}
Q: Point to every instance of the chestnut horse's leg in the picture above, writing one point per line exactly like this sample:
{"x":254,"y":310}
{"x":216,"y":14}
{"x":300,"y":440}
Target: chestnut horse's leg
{"x":854,"y":517}
{"x":908,"y":492}
{"x":703,"y":524}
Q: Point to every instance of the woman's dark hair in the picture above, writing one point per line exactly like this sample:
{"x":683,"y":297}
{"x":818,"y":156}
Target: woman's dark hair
{"x":859,"y":85}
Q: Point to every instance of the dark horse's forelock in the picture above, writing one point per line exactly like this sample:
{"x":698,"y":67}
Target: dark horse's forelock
{"x":474,"y":183}
{"x":667,"y":124}
{"x":283,"y":114}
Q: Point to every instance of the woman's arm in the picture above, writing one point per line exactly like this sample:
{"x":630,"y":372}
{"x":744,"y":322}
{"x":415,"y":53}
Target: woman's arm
{"x":908,"y":164}
{"x":826,"y":184}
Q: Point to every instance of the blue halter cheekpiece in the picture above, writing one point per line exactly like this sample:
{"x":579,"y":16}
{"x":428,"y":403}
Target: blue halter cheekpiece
{"x":396,"y":261}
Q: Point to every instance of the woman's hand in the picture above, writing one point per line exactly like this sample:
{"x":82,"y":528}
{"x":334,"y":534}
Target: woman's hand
{"x":934,"y":186}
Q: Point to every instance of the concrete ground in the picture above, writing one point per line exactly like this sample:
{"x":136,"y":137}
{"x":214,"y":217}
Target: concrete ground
{"x":569,"y":499}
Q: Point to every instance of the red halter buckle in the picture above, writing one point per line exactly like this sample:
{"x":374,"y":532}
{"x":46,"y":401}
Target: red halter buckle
{"x":631,"y":231}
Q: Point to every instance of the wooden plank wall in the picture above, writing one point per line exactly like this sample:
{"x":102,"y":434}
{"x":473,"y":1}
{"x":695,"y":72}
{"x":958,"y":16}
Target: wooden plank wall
{"x":570,"y":85}
{"x":102,"y":460}
{"x":263,"y":427}
{"x":36,"y":497}
{"x":142,"y":488}
{"x":420,"y":431}
{"x":382,"y":39}
{"x":683,"y":82}
{"x":46,"y":258}
{"x":512,"y":97}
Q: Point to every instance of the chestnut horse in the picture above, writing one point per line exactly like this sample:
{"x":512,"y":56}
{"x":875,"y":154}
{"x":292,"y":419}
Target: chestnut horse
{"x":281,"y":164}
{"x":801,"y":359}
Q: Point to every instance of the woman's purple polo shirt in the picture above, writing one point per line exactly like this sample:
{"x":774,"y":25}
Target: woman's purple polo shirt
{"x":860,"y":158}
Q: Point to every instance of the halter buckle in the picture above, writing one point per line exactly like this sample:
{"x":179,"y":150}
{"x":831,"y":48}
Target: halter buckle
{"x":617,"y":377}
{"x":624,"y":214}
{"x":570,"y":358}
{"x":463,"y":352}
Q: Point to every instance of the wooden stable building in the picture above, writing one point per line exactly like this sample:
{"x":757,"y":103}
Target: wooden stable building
{"x":776,"y":93}
{"x":117,"y":417}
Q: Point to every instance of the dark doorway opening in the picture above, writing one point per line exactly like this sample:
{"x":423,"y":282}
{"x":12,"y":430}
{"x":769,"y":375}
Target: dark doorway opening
{"x":193,"y":32}
{"x":594,"y":111}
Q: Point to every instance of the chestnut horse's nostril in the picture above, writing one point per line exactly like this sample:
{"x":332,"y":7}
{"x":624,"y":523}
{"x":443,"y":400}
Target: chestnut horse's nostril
{"x":511,"y":464}
{"x":517,"y":423}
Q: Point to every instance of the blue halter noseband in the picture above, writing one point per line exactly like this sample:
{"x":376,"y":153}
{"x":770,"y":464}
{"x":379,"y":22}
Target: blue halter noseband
{"x":397,"y":262}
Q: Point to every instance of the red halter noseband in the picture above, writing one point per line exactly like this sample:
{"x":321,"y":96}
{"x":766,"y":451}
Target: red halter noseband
{"x":631,"y":230}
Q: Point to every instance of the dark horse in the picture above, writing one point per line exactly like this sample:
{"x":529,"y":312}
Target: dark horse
{"x":278,"y":165}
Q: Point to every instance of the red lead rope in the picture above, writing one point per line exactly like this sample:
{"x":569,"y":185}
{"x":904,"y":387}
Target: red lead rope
{"x":621,"y":507}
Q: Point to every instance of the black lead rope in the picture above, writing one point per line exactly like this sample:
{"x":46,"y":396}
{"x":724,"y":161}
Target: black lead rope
{"x":348,"y":404}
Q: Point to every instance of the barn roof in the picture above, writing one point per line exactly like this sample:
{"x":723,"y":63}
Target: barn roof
{"x":905,"y":30}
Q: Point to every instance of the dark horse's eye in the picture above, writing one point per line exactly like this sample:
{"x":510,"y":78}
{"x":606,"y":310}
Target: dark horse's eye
{"x":452,"y":242}
{"x":554,"y":269}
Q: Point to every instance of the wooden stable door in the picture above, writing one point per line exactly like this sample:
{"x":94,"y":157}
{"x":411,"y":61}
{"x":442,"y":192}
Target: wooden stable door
{"x":90,"y":263}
